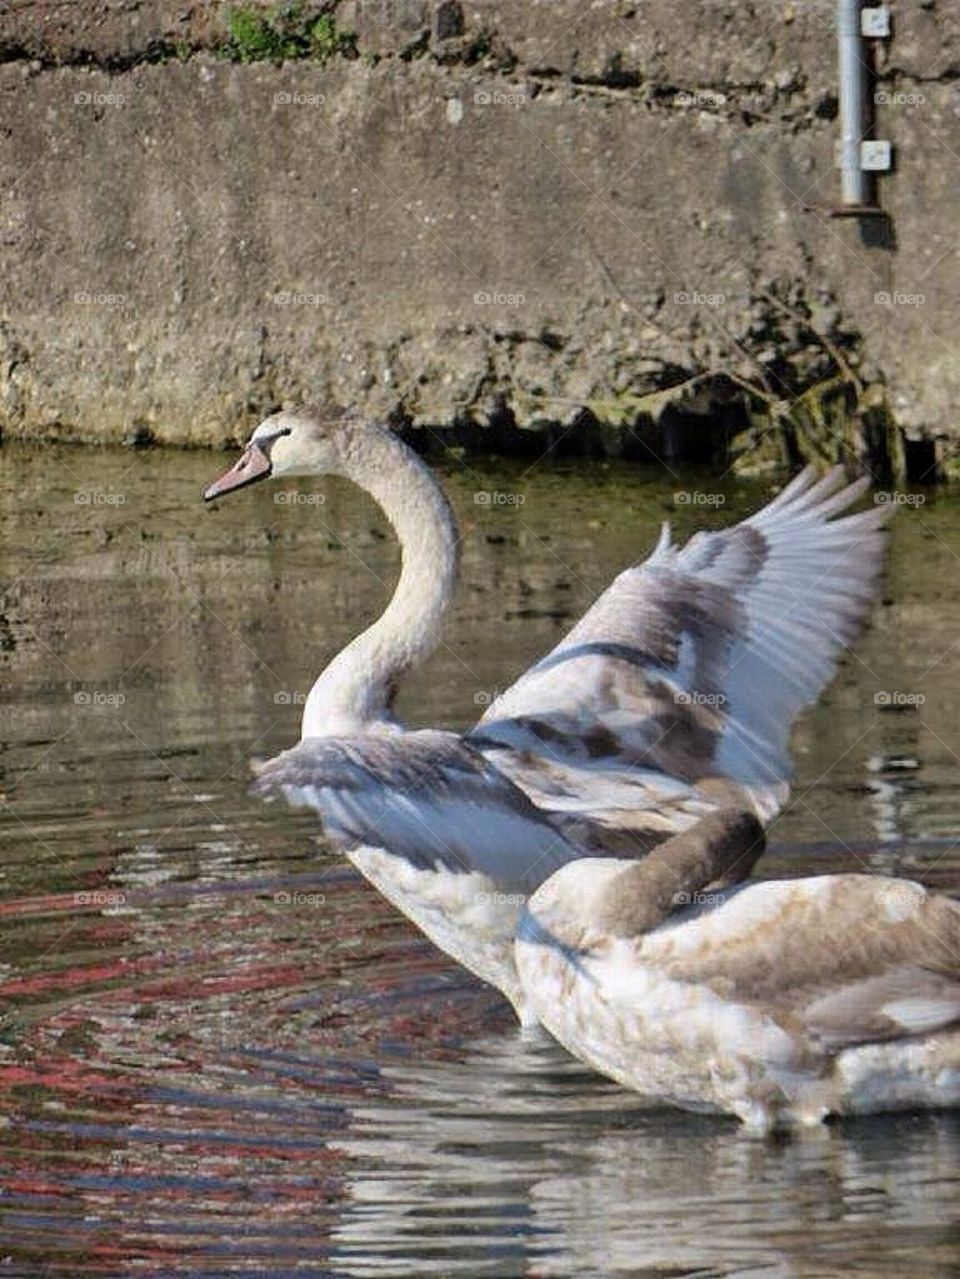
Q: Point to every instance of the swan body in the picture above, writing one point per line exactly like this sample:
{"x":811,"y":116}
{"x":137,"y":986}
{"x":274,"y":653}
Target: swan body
{"x":781,"y":1002}
{"x":673,"y":697}
{"x":446,"y":837}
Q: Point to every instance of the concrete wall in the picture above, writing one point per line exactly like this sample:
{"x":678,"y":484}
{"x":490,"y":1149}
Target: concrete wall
{"x":488,"y":213}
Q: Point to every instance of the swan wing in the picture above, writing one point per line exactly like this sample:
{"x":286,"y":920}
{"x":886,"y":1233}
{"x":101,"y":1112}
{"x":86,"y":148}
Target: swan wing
{"x":692,"y":667}
{"x":848,"y":958}
{"x":426,"y":797}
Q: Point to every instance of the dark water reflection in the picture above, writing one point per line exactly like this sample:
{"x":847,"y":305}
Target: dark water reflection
{"x":221,"y":1053}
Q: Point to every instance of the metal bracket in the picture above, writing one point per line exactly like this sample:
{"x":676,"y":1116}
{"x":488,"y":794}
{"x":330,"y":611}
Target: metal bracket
{"x":875,"y":22}
{"x":876,"y":156}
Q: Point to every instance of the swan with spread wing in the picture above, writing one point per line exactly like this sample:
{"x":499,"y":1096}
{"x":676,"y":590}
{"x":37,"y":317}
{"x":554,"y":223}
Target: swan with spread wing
{"x":673,"y":697}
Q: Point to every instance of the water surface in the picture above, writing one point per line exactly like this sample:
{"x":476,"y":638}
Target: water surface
{"x":221,"y":1053}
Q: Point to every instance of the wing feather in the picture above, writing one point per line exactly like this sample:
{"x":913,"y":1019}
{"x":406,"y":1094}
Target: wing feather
{"x":696,"y":662}
{"x":424,"y":796}
{"x":849,"y":958}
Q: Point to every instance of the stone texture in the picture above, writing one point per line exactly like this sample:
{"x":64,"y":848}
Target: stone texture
{"x":496,"y":212}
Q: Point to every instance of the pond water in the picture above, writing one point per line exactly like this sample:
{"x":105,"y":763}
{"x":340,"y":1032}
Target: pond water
{"x":221,"y":1053}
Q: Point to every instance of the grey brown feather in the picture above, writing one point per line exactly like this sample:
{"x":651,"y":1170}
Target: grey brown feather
{"x":694,"y":665}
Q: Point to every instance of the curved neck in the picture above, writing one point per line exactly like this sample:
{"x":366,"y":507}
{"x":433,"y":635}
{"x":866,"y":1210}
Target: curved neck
{"x":356,"y":690}
{"x":721,"y":846}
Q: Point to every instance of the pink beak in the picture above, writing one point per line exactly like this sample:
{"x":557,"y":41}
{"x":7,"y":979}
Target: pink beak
{"x":252,"y":465}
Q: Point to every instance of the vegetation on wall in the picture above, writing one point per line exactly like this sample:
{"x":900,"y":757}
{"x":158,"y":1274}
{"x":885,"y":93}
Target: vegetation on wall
{"x":285,"y":32}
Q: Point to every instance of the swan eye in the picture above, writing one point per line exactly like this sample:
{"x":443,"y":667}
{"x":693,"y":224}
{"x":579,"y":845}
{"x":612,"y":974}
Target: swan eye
{"x":265,"y":442}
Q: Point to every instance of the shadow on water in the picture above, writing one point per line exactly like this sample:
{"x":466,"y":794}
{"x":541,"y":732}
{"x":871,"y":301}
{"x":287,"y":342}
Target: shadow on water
{"x":221,"y":1053}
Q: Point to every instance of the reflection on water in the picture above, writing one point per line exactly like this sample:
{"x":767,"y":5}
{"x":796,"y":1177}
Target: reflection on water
{"x":221,"y":1053}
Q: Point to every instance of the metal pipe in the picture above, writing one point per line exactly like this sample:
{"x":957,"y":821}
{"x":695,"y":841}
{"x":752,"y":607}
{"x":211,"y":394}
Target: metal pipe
{"x":853,"y":73}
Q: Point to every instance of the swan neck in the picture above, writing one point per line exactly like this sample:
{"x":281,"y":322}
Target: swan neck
{"x":722,"y":846}
{"x":356,"y":690}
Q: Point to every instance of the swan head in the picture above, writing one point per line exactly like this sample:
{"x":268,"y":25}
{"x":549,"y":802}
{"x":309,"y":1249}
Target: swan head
{"x":294,"y":442}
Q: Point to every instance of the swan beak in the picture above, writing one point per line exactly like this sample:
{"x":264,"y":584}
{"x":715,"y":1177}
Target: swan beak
{"x":252,"y":465}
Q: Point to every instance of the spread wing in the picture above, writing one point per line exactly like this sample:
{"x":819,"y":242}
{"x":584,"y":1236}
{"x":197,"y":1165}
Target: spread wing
{"x":426,"y":797}
{"x":692,"y":667}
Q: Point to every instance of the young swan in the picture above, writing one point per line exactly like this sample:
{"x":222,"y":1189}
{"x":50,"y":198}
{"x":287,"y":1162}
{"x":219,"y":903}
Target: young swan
{"x":781,"y":1002}
{"x":673,"y":696}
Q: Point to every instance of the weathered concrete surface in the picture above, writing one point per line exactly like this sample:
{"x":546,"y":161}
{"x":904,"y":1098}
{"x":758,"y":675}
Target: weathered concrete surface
{"x":499,"y":212}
